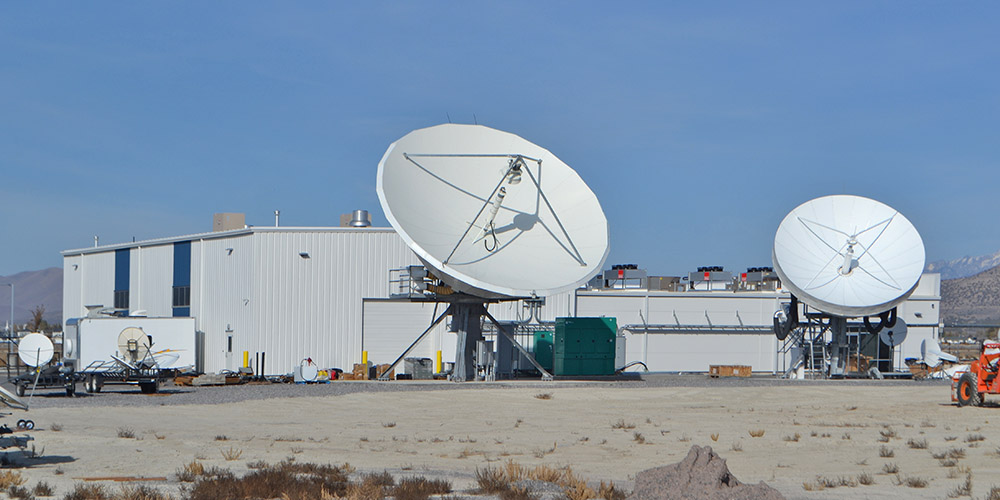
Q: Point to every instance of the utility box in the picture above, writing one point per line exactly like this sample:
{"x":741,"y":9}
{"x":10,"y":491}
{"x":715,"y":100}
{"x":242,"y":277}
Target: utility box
{"x":543,"y":349}
{"x":584,"y":346}
{"x":419,"y":368}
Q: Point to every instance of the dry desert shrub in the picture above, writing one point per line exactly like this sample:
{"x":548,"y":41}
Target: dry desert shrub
{"x":756,"y":433}
{"x":866,"y":479}
{"x":140,"y":492}
{"x":886,"y":452}
{"x":20,"y":493}
{"x":190,"y":472}
{"x":638,"y":438}
{"x":544,"y":395}
{"x":287,"y":480}
{"x":974,"y":438}
{"x":231,"y":454}
{"x":890,"y":468}
{"x":222,"y":437}
{"x":962,"y":490}
{"x":10,"y":478}
{"x":793,"y":438}
{"x":518,"y":493}
{"x":491,"y":481}
{"x":87,"y":492}
{"x":911,"y":481}
{"x":621,"y":424}
{"x":737,"y":446}
{"x":43,"y":489}
{"x":126,"y":433}
{"x":55,"y":427}
{"x":419,"y":488}
{"x":714,"y":436}
{"x":952,"y":453}
{"x":917,"y":444}
{"x":994,"y":493}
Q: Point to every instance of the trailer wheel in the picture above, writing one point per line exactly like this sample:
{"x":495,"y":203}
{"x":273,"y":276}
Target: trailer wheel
{"x":21,"y":389}
{"x":29,"y":424}
{"x":71,"y":389}
{"x":968,"y":390}
{"x":21,"y":424}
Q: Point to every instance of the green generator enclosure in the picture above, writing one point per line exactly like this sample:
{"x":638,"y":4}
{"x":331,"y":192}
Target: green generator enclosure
{"x":584,"y":346}
{"x":543,"y":349}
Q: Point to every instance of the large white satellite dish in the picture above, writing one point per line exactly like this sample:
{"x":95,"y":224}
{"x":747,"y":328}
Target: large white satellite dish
{"x":35,"y":349}
{"x":848,"y":256}
{"x":493,"y":214}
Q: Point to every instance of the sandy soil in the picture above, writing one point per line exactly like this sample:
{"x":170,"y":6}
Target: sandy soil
{"x":810,"y":430}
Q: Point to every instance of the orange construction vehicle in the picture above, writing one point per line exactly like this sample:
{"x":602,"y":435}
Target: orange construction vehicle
{"x":981,"y":379}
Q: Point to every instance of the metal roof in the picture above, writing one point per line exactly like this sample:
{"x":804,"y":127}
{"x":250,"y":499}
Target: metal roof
{"x":222,"y":234}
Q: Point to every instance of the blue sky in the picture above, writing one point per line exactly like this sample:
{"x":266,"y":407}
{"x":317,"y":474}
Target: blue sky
{"x":699,"y":125}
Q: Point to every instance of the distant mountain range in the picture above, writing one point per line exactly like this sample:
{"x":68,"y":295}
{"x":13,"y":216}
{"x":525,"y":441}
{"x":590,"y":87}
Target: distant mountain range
{"x":972,"y":300}
{"x":32,"y":289}
{"x":964,"y":267}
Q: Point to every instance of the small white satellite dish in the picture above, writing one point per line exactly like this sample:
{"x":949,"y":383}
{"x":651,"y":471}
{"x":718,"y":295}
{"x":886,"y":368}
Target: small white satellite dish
{"x":848,"y":256}
{"x":35,"y":349}
{"x":133,"y":344}
{"x":490,"y":213}
{"x":893,"y":335}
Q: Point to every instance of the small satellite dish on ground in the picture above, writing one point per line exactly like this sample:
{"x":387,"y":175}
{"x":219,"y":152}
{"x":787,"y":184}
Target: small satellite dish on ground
{"x":133,"y":344}
{"x":35,"y":350}
{"x":849,"y":257}
{"x":494,"y":217}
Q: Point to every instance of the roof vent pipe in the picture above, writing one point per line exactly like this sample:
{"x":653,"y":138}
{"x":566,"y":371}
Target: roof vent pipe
{"x":360,"y":218}
{"x":277,"y":214}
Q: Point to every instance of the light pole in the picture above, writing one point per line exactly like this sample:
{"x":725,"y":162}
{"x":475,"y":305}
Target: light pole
{"x":10,"y":325}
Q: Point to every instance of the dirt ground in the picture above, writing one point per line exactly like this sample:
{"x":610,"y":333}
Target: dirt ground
{"x":604,"y":432}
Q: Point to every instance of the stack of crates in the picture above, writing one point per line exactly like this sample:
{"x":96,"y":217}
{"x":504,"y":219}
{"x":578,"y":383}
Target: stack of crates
{"x":584,"y":346}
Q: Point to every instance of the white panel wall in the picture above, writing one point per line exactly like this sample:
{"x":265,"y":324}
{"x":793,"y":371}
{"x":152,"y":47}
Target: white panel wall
{"x":222,"y":300}
{"x":151,"y":280}
{"x":391,"y":326}
{"x":72,"y":291}
{"x":311,"y":307}
{"x":97,"y":275}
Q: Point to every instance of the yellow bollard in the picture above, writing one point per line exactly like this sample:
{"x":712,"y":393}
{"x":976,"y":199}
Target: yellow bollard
{"x":246,"y":359}
{"x":437,"y":363}
{"x":364,"y":357}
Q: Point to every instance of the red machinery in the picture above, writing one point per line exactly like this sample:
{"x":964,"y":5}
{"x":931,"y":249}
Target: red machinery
{"x":981,"y":379}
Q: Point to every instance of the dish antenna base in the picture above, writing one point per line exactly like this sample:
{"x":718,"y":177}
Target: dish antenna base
{"x":467,"y":314}
{"x":838,"y":346}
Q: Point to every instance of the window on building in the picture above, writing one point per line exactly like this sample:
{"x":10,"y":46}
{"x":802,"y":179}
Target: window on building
{"x":182,"y":296}
{"x":121,"y":299}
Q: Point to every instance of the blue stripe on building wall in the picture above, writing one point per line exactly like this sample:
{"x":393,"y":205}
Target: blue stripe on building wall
{"x":182,"y":279}
{"x":182,"y":263}
{"x":121,"y":269}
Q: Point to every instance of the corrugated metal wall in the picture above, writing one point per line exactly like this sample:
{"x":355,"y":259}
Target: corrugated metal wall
{"x":223,"y":301}
{"x":149,"y":280}
{"x":72,"y":283}
{"x":97,"y":274}
{"x":314,"y":301}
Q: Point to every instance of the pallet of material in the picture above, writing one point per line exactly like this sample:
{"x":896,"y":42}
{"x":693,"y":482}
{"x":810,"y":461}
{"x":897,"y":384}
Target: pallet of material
{"x":716,"y":371}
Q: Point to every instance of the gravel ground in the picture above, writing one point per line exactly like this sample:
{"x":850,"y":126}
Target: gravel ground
{"x":126,"y":395}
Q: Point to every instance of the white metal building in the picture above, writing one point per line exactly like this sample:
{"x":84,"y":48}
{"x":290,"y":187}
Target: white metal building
{"x":289,"y":292}
{"x":323,"y":292}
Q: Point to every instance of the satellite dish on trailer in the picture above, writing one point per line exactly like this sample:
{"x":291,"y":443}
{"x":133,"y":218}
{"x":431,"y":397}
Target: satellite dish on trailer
{"x":848,"y":256}
{"x":491,"y":214}
{"x":35,"y":349}
{"x":133,"y":344}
